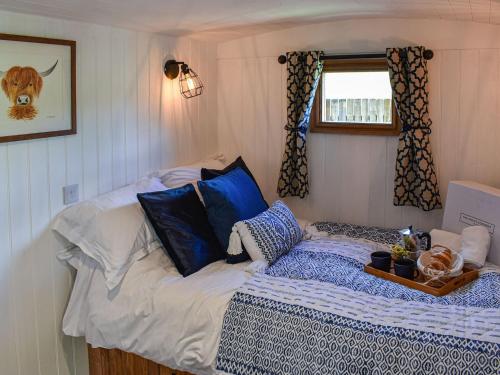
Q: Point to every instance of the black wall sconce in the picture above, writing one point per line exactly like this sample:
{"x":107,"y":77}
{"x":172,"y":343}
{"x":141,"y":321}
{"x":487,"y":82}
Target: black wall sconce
{"x":189,"y":82}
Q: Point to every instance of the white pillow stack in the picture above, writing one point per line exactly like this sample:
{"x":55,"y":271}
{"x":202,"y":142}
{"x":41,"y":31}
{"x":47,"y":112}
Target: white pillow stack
{"x":111,"y":229}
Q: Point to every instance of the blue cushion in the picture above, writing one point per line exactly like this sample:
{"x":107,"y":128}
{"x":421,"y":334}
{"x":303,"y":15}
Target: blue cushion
{"x":208,"y":174}
{"x":181,"y":223}
{"x":230,"y":198}
{"x":268,"y":235}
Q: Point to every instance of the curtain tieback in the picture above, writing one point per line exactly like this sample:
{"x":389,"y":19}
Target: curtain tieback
{"x":424,"y":129}
{"x":296,"y":129}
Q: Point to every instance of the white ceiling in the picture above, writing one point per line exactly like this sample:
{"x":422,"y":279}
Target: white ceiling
{"x":227,"y":19}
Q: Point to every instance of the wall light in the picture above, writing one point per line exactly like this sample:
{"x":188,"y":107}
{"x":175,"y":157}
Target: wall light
{"x":189,"y":82}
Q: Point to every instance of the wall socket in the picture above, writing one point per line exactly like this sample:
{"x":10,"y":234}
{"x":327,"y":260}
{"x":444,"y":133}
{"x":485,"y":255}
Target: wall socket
{"x":70,"y":194}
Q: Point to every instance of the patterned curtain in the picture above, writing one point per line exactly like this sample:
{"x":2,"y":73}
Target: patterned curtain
{"x":304,"y":72}
{"x":416,"y":182}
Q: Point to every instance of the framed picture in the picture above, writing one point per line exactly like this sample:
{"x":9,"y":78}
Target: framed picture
{"x":38,"y":87}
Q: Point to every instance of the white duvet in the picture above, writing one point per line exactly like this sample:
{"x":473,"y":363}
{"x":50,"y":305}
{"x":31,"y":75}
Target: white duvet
{"x":155,"y":312}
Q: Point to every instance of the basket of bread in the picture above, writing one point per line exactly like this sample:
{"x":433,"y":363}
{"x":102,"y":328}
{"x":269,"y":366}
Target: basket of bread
{"x":439,"y":265}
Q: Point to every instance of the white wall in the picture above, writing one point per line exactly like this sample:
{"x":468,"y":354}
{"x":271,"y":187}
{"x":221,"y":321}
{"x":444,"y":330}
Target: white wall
{"x":351,"y":177}
{"x":131,"y":120}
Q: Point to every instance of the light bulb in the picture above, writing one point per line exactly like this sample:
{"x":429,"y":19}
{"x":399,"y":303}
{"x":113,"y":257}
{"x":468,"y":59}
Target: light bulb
{"x":190,"y":83}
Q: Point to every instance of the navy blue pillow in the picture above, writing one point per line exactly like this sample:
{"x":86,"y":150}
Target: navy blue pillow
{"x":181,"y":223}
{"x":208,"y":174}
{"x":228,"y":199}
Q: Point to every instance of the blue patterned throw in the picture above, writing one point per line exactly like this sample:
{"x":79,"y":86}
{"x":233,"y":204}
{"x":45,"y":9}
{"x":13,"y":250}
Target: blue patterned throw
{"x":387,"y":236}
{"x":315,"y":311}
{"x":376,"y":234}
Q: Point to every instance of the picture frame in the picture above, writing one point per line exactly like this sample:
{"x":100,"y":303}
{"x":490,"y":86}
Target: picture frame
{"x":37,"y":87}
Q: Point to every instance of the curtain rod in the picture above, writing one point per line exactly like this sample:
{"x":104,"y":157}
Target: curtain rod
{"x":428,"y":55}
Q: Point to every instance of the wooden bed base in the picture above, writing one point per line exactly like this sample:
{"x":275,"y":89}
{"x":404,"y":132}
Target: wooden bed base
{"x":117,"y":362}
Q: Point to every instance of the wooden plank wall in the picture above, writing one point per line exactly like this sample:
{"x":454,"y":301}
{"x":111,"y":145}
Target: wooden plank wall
{"x":351,"y":177}
{"x":131,"y":121}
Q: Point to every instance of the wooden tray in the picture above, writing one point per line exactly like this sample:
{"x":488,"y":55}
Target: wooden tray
{"x":466,"y":277}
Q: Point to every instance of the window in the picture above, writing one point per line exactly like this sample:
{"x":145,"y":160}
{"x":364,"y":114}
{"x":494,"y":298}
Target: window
{"x":355,"y":97}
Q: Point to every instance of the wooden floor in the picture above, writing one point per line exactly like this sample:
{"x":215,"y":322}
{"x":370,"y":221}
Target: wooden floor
{"x":117,"y":362}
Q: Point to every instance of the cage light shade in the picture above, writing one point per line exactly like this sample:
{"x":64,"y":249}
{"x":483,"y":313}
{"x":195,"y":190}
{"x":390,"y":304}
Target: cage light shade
{"x":190,"y":84}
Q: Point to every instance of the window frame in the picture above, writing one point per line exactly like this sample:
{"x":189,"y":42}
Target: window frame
{"x":352,"y":65}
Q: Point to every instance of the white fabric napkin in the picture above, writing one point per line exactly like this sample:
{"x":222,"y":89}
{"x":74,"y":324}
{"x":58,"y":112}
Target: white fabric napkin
{"x":451,"y":240}
{"x":476,"y":242}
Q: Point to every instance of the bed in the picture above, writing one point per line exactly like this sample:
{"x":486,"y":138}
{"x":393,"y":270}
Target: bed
{"x":165,"y":289}
{"x":313,"y":311}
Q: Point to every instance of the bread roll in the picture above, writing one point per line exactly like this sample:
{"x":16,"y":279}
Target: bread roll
{"x":438,"y":266}
{"x":439,"y":259}
{"x":444,"y":258}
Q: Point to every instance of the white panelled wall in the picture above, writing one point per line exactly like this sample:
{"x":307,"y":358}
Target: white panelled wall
{"x":131,"y":121}
{"x":351,"y":177}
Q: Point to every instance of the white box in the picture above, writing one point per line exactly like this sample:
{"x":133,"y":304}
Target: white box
{"x":470,"y":203}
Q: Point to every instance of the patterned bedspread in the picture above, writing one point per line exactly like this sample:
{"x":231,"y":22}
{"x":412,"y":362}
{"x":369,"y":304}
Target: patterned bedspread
{"x":316,"y":312}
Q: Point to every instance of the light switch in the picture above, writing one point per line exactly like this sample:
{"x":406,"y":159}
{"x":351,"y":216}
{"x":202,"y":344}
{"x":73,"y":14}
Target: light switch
{"x":70,"y":194}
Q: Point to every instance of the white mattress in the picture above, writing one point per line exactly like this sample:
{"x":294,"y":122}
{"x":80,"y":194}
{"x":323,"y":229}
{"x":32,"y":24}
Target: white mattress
{"x":155,"y":313}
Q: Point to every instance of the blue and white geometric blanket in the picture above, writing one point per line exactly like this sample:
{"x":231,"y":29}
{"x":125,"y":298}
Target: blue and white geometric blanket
{"x":315,"y":311}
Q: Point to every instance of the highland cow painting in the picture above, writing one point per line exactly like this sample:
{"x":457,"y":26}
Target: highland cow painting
{"x":37,"y":81}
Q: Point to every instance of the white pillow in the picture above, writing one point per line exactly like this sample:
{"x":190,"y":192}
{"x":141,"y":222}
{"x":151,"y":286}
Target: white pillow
{"x":180,"y":176}
{"x":112,"y":228}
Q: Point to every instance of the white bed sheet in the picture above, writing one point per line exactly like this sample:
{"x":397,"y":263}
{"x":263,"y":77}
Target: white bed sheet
{"x":155,"y":313}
